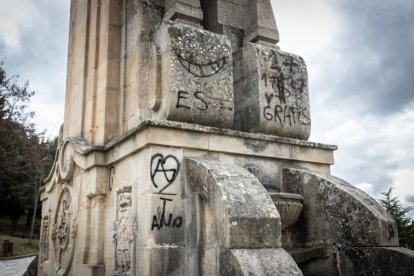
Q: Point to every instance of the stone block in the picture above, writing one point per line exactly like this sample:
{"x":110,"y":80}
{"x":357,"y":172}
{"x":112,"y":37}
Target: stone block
{"x":275,"y":99}
{"x":233,"y":195}
{"x":197,"y":76}
{"x":275,"y":261}
{"x":336,"y":212}
{"x":161,"y":260}
{"x":231,"y":14}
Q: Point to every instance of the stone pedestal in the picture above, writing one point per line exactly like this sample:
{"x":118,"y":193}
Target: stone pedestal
{"x":177,"y":131}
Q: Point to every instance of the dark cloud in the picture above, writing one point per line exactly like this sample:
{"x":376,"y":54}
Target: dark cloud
{"x":409,"y":198}
{"x":374,"y":64}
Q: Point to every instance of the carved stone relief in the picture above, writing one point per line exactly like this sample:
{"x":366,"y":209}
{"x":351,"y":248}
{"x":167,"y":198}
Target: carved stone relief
{"x":44,"y":239}
{"x":63,"y":233}
{"x":124,"y":231}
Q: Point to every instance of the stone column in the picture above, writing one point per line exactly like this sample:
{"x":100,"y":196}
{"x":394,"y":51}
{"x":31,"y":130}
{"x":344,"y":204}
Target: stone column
{"x":93,"y":70}
{"x":186,"y":11}
{"x":260,"y":23}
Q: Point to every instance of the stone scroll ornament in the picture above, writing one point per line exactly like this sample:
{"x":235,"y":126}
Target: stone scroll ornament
{"x":66,"y":164}
{"x":123,"y":232}
{"x":63,"y":233}
{"x":276,"y":97}
{"x":197,"y":76}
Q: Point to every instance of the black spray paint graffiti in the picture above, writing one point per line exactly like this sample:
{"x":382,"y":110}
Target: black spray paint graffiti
{"x":286,"y":81}
{"x":162,"y":219}
{"x":284,"y":113}
{"x":284,"y":87}
{"x":201,"y":103}
{"x":287,"y":114}
{"x":164,"y":171}
{"x":202,"y":70}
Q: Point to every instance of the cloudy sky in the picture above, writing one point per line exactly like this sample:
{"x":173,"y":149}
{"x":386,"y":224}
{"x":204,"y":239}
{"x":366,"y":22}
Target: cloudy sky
{"x":360,"y":57}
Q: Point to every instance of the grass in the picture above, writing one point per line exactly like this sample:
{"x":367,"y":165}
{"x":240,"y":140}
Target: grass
{"x":21,"y":246}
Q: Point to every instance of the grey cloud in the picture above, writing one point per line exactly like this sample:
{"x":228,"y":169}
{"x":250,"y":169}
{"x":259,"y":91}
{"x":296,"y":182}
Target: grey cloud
{"x":365,"y":172}
{"x":376,"y":63}
{"x":43,"y":57}
{"x":409,"y":198}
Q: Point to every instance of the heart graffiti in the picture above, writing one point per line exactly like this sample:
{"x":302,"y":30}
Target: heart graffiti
{"x":164,"y":171}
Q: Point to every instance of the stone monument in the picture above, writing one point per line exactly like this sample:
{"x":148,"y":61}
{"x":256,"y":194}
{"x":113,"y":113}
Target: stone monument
{"x":185,"y":126}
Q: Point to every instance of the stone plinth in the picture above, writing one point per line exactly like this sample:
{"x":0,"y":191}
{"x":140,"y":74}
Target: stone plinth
{"x":132,"y":208}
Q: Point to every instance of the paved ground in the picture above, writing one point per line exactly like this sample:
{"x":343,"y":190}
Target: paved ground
{"x":16,"y":267}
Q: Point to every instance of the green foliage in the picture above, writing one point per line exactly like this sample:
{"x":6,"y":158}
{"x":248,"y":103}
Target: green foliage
{"x":25,"y":155}
{"x":21,"y":246}
{"x":404,"y":223}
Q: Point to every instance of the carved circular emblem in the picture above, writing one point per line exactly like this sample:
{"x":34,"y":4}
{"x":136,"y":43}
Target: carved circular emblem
{"x":66,"y":163}
{"x":63,"y":235}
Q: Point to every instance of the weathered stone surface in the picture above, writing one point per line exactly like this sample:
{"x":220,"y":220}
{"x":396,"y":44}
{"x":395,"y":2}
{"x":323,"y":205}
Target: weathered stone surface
{"x":160,"y":260}
{"x":274,"y":98}
{"x":317,"y":261}
{"x":262,"y":262}
{"x":336,"y":212}
{"x":381,"y":261}
{"x":240,"y":225}
{"x":183,"y":10}
{"x":197,"y":76}
{"x":234,"y":195}
{"x":162,"y":220}
{"x":261,"y":24}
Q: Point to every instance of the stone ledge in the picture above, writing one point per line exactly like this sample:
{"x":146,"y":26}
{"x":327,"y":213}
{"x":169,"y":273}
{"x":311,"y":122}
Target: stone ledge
{"x":218,"y":131}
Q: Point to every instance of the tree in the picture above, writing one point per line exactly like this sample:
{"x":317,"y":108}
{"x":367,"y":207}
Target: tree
{"x":24,"y":153}
{"x":405,"y":224}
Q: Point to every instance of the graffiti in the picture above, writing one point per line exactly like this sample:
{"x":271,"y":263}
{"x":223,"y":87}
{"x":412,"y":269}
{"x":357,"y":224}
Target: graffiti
{"x":286,"y":85}
{"x":279,"y":85}
{"x":164,"y":171}
{"x":198,"y":69}
{"x":201,"y":103}
{"x":285,"y":114}
{"x":198,"y":98}
{"x":162,"y":219}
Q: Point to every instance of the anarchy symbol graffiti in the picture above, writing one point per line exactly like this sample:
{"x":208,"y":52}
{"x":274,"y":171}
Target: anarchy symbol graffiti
{"x":164,"y":171}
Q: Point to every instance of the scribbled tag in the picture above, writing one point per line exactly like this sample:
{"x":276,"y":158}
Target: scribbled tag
{"x":164,"y":170}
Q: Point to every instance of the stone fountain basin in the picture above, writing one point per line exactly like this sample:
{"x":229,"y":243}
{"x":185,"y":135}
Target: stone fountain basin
{"x":289,"y":207}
